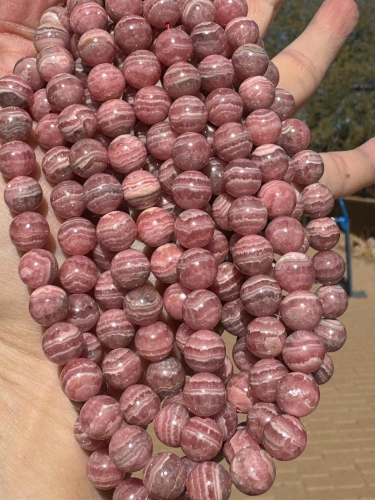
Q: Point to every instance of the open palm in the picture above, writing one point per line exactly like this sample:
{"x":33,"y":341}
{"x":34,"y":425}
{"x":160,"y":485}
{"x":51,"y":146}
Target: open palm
{"x":39,"y":456}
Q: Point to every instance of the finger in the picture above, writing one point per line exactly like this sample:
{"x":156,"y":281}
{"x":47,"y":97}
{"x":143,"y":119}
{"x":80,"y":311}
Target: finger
{"x":263,"y":12}
{"x":347,"y":172}
{"x":303,"y":64}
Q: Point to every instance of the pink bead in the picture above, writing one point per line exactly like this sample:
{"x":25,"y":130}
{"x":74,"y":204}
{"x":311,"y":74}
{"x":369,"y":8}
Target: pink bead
{"x":285,"y":234}
{"x":173,"y":299}
{"x":181,"y":79}
{"x":247,"y":215}
{"x":141,"y":190}
{"x":164,"y":262}
{"x":242,"y":31}
{"x":227,"y":420}
{"x":224,"y":105}
{"x":264,"y":126}
{"x":83,"y":312}
{"x":177,"y":398}
{"x":261,"y":295}
{"x":165,"y":474}
{"x":169,"y":422}
{"x":325,"y":372}
{"x":166,"y":377}
{"x":140,"y":404}
{"x":85,"y":441}
{"x":56,"y":166}
{"x":295,"y":271}
{"x":115,"y":118}
{"x":324,"y":233}
{"x":50,"y":34}
{"x":250,"y":60}
{"x":87,"y":16}
{"x":23,"y":194}
{"x":205,"y":350}
{"x":92,"y":349}
{"x":130,"y":268}
{"x":15,"y":91}
{"x":309,"y":167}
{"x":228,"y":282}
{"x":143,"y":305}
{"x":154,"y":342}
{"x":318,"y":201}
{"x":62,"y":342}
{"x":272,"y":161}
{"x":295,"y":136}
{"x":227,"y":10}
{"x":126,"y":154}
{"x":194,"y":228}
{"x":116,"y":231}
{"x":64,"y":90}
{"x":160,"y":12}
{"x":257,"y":418}
{"x":220,"y":210}
{"x":208,"y":39}
{"x":130,"y":448}
{"x":239,"y":392}
{"x":116,"y":9}
{"x":102,"y":193}
{"x":232,"y":141}
{"x":201,"y":310}
{"x":299,"y":209}
{"x":303,"y":351}
{"x":196,"y":12}
{"x":241,"y":440}
{"x":96,"y":46}
{"x":142,"y":69}
{"x":191,"y":189}
{"x":218,"y":246}
{"x":253,"y":472}
{"x":184,"y":332}
{"x":241,"y":177}
{"x":114,"y":330}
{"x":235,"y":318}
{"x":160,"y":140}
{"x":101,"y":417}
{"x":264,"y":378}
{"x":130,"y":489}
{"x":76,"y":122}
{"x":16,"y":158}
{"x":38,"y":268}
{"x":216,"y":72}
{"x":132,"y":33}
{"x":204,"y":394}
{"x":285,"y":437}
{"x":78,"y":274}
{"x":297,"y":394}
{"x":121,"y":368}
{"x":266,"y":337}
{"x":278,"y":197}
{"x":26,"y":68}
{"x":155,"y":227}
{"x":209,"y":481}
{"x":284,"y":104}
{"x":173,"y":46}
{"x":77,"y":236}
{"x":102,"y":257}
{"x":197,"y":269}
{"x":201,"y":439}
{"x":167,"y":173}
{"x":257,"y":92}
{"x":188,"y":114}
{"x":15,"y":124}
{"x":81,"y":379}
{"x":107,"y":293}
{"x":105,"y":82}
{"x":332,"y":334}
{"x":48,"y":133}
{"x":102,"y":472}
{"x":67,"y":199}
{"x":334,"y":301}
{"x":29,"y":231}
{"x":191,"y":151}
{"x":301,"y":310}
{"x":225,"y":371}
{"x":253,"y":255}
{"x":151,"y":104}
{"x":242,"y":357}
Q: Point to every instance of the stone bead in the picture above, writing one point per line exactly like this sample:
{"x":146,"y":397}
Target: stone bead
{"x":299,"y":209}
{"x":143,"y":305}
{"x":241,"y":178}
{"x":197,"y":12}
{"x":235,"y":318}
{"x":297,"y":394}
{"x":325,"y":372}
{"x":173,"y":299}
{"x":181,"y":79}
{"x":105,"y":82}
{"x":117,"y":9}
{"x":204,"y":394}
{"x":197,"y":269}
{"x":253,"y":255}
{"x":232,"y":141}
{"x":239,"y":392}
{"x":318,"y":201}
{"x":272,"y":161}
{"x":167,"y":173}
{"x":114,"y":330}
{"x":76,"y":123}
{"x":223,"y":106}
{"x":127,"y":154}
{"x":81,"y":379}
{"x":142,"y":69}
{"x":101,"y":417}
{"x":188,"y":114}
{"x":85,"y":441}
{"x":78,"y":274}
{"x":166,"y":377}
{"x":23,"y":194}
{"x":167,"y":202}
{"x":334,"y":301}
{"x":285,"y":234}
{"x":15,"y":124}
{"x":184,"y":332}
{"x":208,"y":39}
{"x":265,"y":337}
{"x":16,"y":158}
{"x":228,"y":282}
{"x":247,"y":215}
{"x":155,"y":227}
{"x":164,"y":262}
{"x":242,"y":31}
{"x":204,"y":350}
{"x":132,"y":33}
{"x":329,"y":267}
{"x":139,"y":404}
{"x":154,"y":342}
{"x":225,"y":371}
{"x":151,"y":104}
{"x":56,"y":166}
{"x":309,"y":167}
{"x":107,"y":293}
{"x":228,"y":10}
{"x":278,"y":197}
{"x":295,"y":271}
{"x":173,"y":46}
{"x":83,"y":312}
{"x":29,"y":231}
{"x":102,"y":257}
{"x":77,"y":236}
{"x":218,"y":246}
{"x":257,"y":92}
{"x":116,"y":231}
{"x":242,"y":357}
{"x":102,"y":193}
{"x":191,"y":189}
{"x":284,"y":437}
{"x":251,"y":60}
{"x":176,"y":398}
{"x":88,"y":16}
{"x":220,"y":210}
{"x":48,"y":133}
{"x":14,"y":91}
{"x":191,"y":151}
{"x":284,"y":104}
{"x":201,"y":439}
{"x":96,"y":46}
{"x":102,"y":472}
{"x":295,"y":136}
{"x":38,"y":268}
{"x":201,"y":310}
{"x":130,"y":489}
{"x":253,"y":472}
{"x":264,"y":378}
{"x":209,"y":481}
{"x":227,"y":420}
{"x":130,"y":448}
{"x":169,"y":422}
{"x":67,"y":199}
{"x":257,"y":418}
{"x":303,"y":351}
{"x":261,"y":295}
{"x":216,"y":72}
{"x":306,"y":243}
{"x":161,"y":12}
{"x":64,"y":90}
{"x":301,"y":310}
{"x":194,"y":228}
{"x":165,"y":474}
{"x":160,"y":140}
{"x":241,"y":440}
{"x":332,"y":334}
{"x":51,"y":34}
{"x":62,"y":342}
{"x":26,"y":68}
{"x":92,"y":348}
{"x":324,"y":233}
{"x":115,"y":118}
{"x":121,"y":368}
{"x":130,"y":268}
{"x":264,"y":126}
{"x":141,"y":190}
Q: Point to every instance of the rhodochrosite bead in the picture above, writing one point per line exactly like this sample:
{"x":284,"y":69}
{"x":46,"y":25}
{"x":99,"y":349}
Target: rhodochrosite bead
{"x":164,"y":263}
{"x":297,"y":394}
{"x":116,"y":231}
{"x":241,"y":177}
{"x":140,"y":404}
{"x":201,"y":439}
{"x":204,"y":394}
{"x":264,"y":378}
{"x":160,"y":140}
{"x":102,"y":193}
{"x":83,"y":311}
{"x":92,"y":349}
{"x":85,"y":441}
{"x":115,"y":118}
{"x":253,"y":472}
{"x":329,"y":267}
{"x":62,"y":342}
{"x":332,"y":334}
{"x":227,"y":10}
{"x":201,"y":309}
{"x":309,"y":167}
{"x":295,"y":136}
{"x":166,"y":377}
{"x":121,"y":368}
{"x":78,"y":274}
{"x":132,"y":33}
{"x":191,"y":189}
{"x":324,"y":233}
{"x":26,"y":68}
{"x":261,"y":295}
{"x":334,"y":300}
{"x":303,"y":351}
{"x":37,"y":268}
{"x":48,"y":133}
{"x":101,"y":417}
{"x":228,"y":282}
{"x":209,"y":481}
{"x":301,"y":310}
{"x":325,"y":372}
{"x":16,"y":158}
{"x":87,"y":16}
{"x":285,"y":234}
{"x":67,"y":199}
{"x":130,"y":488}
{"x":194,"y":228}
{"x":227,"y":420}
{"x":173,"y":46}
{"x":242,"y":31}
{"x":108,"y":294}
{"x":239,"y":392}
{"x":259,"y":415}
{"x":29,"y":231}
{"x":56,"y":166}
{"x":141,"y":190}
{"x":116,"y":9}
{"x":142,"y":69}
{"x":232,"y":141}
{"x":173,"y":300}
{"x":318,"y":200}
{"x":154,"y":342}
{"x":130,"y":448}
{"x":253,"y":255}
{"x":181,"y":79}
{"x":295,"y":271}
{"x":284,"y":437}
{"x":247,"y":215}
{"x":250,"y":60}
{"x":204,"y":351}
{"x":143,"y":305}
{"x":14,"y":91}
{"x":197,"y":269}
{"x":239,"y":441}
{"x":265,"y":337}
{"x":169,"y":422}
{"x":77,"y":236}
{"x":76,"y":122}
{"x":224,"y":105}
{"x":218,"y":246}
{"x":114,"y":330}
{"x":188,"y":114}
{"x":15,"y":124}
{"x":48,"y":305}
{"x":164,"y":476}
{"x":102,"y":472}
{"x":155,"y":227}
{"x":191,"y":151}
{"x":23,"y":194}
{"x":272,"y":161}
{"x":279,"y":198}
{"x":81,"y":379}
{"x":235,"y":318}
{"x":130,"y":268}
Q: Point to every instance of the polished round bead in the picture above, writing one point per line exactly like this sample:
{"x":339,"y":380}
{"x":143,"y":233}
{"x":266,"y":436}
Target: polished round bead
{"x":166,"y":377}
{"x":160,"y":140}
{"x":191,"y":190}
{"x":325,"y":372}
{"x":130,"y":448}
{"x":102,"y":472}
{"x":64,"y":90}
{"x":173,"y":46}
{"x":216,"y":72}
{"x":228,"y":282}
{"x":155,"y":227}
{"x":332,"y":334}
{"x":201,"y":439}
{"x":295,"y":136}
{"x":183,"y":334}
{"x":253,"y":472}
{"x":127,"y":154}
{"x":16,"y":158}
{"x":115,"y":118}
{"x":226,"y":10}
{"x":220,"y":210}
{"x":247,"y":215}
{"x":130,"y":268}
{"x":250,"y":60}
{"x":132,"y":33}
{"x":232,"y":141}
{"x":241,"y":177}
{"x":14,"y":91}
{"x":253,"y":255}
{"x":154,"y":342}
{"x":191,"y":151}
{"x":114,"y":330}
{"x":297,"y":394}
{"x":160,"y":12}
{"x":48,"y":133}
{"x":23,"y":194}
{"x":142,"y":69}
{"x":202,"y":310}
{"x":278,"y":197}
{"x":121,"y":368}
{"x":284,"y":437}
{"x":257,"y":418}
{"x":38,"y":268}
{"x":299,"y":209}
{"x":141,"y":190}
{"x":151,"y":104}
{"x":130,"y":489}
{"x":188,"y":114}
{"x":204,"y":394}
{"x":164,"y":262}
{"x":105,"y":82}
{"x":169,"y":422}
{"x":257,"y":92}
{"x":173,"y":300}
{"x":15,"y":124}
{"x":96,"y":46}
{"x":143,"y":305}
{"x":235,"y":318}
{"x":272,"y":161}
{"x":101,"y":417}
{"x":139,"y":404}
{"x":78,"y":274}
{"x":324,"y":233}
{"x":67,"y":199}
{"x":83,"y":312}
{"x":92,"y":349}
{"x":107,"y":293}
{"x":88,"y":16}
{"x":301,"y":310}
{"x":77,"y":122}
{"x":225,"y":371}
{"x":209,"y":481}
{"x":273,"y":74}
{"x":218,"y":246}
{"x":85,"y":441}
{"x":197,"y":269}
{"x":181,"y":79}
{"x":242,"y":357}
{"x":194,"y":228}
{"x":208,"y":39}
{"x":62,"y":342}
{"x":102,"y":193}
{"x":303,"y":351}
{"x":29,"y":231}
{"x":264,"y":126}
{"x":167,"y":173}
{"x":117,"y":9}
{"x":309,"y":167}
{"x":240,"y":440}
{"x":56,"y":166}
{"x":77,"y":236}
{"x":165,"y":474}
{"x":227,"y":420}
{"x":102,"y":257}
{"x":329,"y":267}
{"x":26,"y":68}
{"x":242,"y":31}
{"x":334,"y":301}
{"x":51,"y":34}
{"x":285,"y":234}
{"x":81,"y":379}
{"x":223,"y":106}
{"x":204,"y":351}
{"x":196,"y":12}
{"x":284,"y":104}
{"x":265,"y":337}
{"x":239,"y":392}
{"x":261,"y":295}
{"x":318,"y":201}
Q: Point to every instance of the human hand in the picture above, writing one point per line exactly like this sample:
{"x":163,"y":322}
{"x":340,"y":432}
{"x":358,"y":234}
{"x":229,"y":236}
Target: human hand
{"x":36,"y":418}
